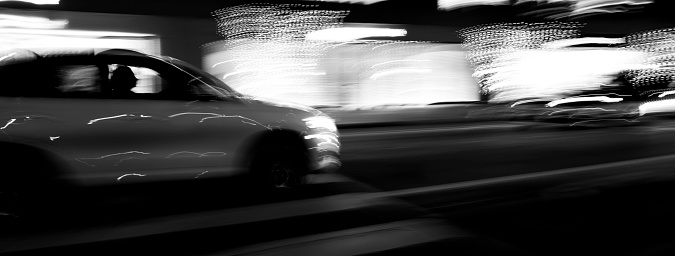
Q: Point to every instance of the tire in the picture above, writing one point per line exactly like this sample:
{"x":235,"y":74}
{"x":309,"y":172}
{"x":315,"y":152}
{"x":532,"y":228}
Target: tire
{"x":28,"y":190}
{"x":280,"y":167}
{"x":11,"y":203}
{"x":24,"y":201}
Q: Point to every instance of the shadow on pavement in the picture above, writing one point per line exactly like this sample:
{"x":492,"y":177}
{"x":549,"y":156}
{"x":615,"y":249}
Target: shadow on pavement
{"x":331,"y":216}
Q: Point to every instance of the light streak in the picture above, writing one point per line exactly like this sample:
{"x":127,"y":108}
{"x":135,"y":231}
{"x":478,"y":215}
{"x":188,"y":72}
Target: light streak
{"x":15,"y":21}
{"x":524,"y":101}
{"x":581,"y":99}
{"x":584,"y":40}
{"x":666,"y":94}
{"x":214,"y":154}
{"x":39,"y":2}
{"x":596,"y":120}
{"x":7,"y":56}
{"x":235,"y":116}
{"x":657,"y":107}
{"x":207,"y":154}
{"x":577,"y":109}
{"x":193,"y":113}
{"x":364,"y":2}
{"x":125,"y":159}
{"x":320,"y":122}
{"x":597,"y":5}
{"x":395,"y":61}
{"x":105,"y":118}
{"x":352,"y":33}
{"x":325,"y":136}
{"x":454,"y":4}
{"x":400,"y":71}
{"x":130,"y":174}
{"x":8,"y":123}
{"x":82,"y":160}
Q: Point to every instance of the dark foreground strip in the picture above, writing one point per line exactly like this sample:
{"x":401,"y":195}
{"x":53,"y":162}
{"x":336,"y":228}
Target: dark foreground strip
{"x":218,"y":230}
{"x":409,"y":237}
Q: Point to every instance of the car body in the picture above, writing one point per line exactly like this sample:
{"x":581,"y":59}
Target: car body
{"x":62,"y":120}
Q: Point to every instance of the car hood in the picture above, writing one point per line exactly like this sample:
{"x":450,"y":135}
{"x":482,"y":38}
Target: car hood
{"x":281,"y":104}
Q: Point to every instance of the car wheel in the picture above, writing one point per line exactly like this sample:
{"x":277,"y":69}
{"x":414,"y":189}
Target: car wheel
{"x":280,"y":167}
{"x":10,"y":204}
{"x":28,"y":189}
{"x":18,"y":203}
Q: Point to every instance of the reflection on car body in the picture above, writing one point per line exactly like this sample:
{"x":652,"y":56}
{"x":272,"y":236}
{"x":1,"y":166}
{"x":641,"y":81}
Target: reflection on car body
{"x":63,"y":120}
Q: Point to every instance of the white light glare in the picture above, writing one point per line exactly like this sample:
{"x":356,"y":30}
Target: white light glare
{"x":400,"y":70}
{"x":351,"y":33}
{"x":34,"y":1}
{"x":365,"y":2}
{"x":584,"y":40}
{"x":68,"y":32}
{"x":666,"y":94}
{"x":657,"y":107}
{"x":8,"y":123}
{"x":130,"y":174}
{"x":19,"y":21}
{"x":605,"y":5}
{"x":579,"y":6}
{"x":320,"y":122}
{"x":578,"y":99}
{"x":454,"y":4}
{"x":7,"y":56}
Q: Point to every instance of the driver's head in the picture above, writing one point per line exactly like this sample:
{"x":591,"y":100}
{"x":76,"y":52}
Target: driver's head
{"x":123,"y":79}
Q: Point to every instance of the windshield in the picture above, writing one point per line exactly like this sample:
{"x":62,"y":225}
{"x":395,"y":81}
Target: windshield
{"x":213,"y":83}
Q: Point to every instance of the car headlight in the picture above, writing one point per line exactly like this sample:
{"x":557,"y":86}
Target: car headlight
{"x":324,"y":138}
{"x":318,"y":122}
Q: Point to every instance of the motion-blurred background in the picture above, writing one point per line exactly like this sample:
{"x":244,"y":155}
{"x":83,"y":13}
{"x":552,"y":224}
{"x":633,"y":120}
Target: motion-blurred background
{"x":360,"y":54}
{"x":463,"y":108}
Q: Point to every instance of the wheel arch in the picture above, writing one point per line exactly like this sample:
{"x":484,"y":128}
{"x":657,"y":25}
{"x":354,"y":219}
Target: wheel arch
{"x":30,"y":162}
{"x":256,"y":143}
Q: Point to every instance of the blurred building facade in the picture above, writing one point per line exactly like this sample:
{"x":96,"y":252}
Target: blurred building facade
{"x":273,"y":58}
{"x":35,"y":27}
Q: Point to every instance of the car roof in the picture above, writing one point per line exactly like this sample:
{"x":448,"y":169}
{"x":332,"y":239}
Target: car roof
{"x":96,"y":55}
{"x":19,"y":55}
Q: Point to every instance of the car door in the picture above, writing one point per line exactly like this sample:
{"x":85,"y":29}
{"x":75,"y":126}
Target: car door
{"x":73,"y":115}
{"x":168,"y":129}
{"x":46,"y":103}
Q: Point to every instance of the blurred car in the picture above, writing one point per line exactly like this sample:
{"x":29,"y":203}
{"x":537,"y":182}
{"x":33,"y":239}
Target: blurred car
{"x":581,"y":110}
{"x":586,"y":109}
{"x":101,"y":117}
{"x":523,"y":110}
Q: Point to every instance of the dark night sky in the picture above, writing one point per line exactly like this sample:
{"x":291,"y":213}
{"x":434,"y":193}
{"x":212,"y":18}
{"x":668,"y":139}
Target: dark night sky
{"x":419,"y":12}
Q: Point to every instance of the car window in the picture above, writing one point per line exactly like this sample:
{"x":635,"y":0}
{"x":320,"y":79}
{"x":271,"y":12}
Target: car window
{"x":35,"y":79}
{"x":75,"y":79}
{"x":89,"y":79}
{"x":148,"y":83}
{"x":209,"y":85}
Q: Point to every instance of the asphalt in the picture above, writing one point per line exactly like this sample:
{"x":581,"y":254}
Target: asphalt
{"x":333,"y":215}
{"x":393,"y":116}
